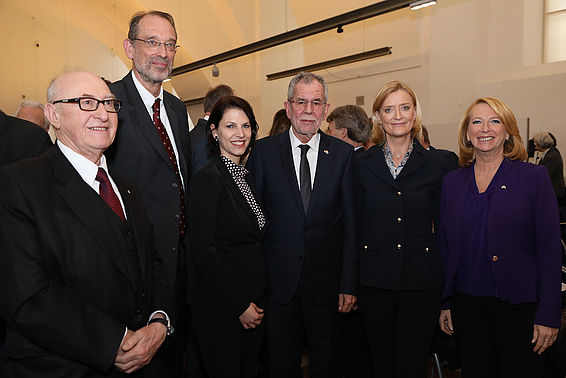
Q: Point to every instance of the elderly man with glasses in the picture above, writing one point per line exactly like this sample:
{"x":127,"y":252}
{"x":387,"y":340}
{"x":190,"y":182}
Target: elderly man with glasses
{"x":82,"y":290}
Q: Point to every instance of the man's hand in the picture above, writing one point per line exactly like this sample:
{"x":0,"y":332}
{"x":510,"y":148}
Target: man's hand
{"x":543,"y":337}
{"x":346,"y":302}
{"x":251,"y":318}
{"x":138,"y":348}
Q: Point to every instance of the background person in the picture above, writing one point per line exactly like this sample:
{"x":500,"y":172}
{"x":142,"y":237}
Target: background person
{"x":400,"y":268}
{"x":552,"y":160}
{"x":227,"y":278}
{"x":33,"y":111}
{"x":199,"y":145}
{"x":500,"y":238}
{"x":350,"y":123}
{"x":280,"y":122}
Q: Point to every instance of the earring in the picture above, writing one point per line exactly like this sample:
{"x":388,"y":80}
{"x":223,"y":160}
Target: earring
{"x":216,"y":139}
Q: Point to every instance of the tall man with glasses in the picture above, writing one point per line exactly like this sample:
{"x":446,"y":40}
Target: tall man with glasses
{"x":82,"y":290}
{"x":305,"y":180}
{"x":152,"y":148}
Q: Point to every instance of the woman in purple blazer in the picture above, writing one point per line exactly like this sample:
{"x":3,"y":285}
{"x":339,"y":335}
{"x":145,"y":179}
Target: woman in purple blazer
{"x":499,"y":235}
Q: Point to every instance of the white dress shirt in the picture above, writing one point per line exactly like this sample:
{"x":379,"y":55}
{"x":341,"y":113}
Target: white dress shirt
{"x":312,"y":155}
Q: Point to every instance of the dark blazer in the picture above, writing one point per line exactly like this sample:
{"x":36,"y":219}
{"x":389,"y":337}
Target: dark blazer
{"x":138,"y":153}
{"x":68,"y":285}
{"x":227,"y":269}
{"x":523,"y":236}
{"x":552,"y":160}
{"x":319,"y":247}
{"x":450,"y":158}
{"x":398,"y":247}
{"x":20,"y":139}
{"x":199,"y":146}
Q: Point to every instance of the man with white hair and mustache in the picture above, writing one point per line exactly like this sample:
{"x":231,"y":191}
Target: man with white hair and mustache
{"x":152,"y":148}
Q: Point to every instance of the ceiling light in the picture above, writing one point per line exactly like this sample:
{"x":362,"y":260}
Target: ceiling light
{"x":415,"y":5}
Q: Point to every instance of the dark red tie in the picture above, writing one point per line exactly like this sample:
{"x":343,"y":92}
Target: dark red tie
{"x":108,"y":194}
{"x":171,"y":153}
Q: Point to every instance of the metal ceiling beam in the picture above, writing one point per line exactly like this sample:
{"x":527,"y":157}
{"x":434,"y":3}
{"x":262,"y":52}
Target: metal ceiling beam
{"x":331,"y":63}
{"x":360,"y":14}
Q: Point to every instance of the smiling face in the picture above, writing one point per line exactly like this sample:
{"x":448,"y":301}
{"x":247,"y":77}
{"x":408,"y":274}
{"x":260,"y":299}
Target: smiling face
{"x":397,"y":115}
{"x":234,"y":134}
{"x":87,"y":133}
{"x":486,"y":131}
{"x":152,"y":65}
{"x":307,"y":109}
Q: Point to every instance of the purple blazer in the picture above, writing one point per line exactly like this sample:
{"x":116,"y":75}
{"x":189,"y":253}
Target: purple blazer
{"x":523,"y":237}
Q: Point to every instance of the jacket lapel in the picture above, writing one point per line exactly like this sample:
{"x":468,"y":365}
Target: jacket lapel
{"x":375,"y":164}
{"x":289,"y":168}
{"x":415,"y":164}
{"x":88,"y":207}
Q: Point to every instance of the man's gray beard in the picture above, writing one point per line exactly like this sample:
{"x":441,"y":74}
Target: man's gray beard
{"x":150,"y":79}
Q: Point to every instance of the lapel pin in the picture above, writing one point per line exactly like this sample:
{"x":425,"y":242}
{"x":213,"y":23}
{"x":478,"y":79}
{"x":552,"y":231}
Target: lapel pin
{"x":503,"y":187}
{"x":326,"y":152}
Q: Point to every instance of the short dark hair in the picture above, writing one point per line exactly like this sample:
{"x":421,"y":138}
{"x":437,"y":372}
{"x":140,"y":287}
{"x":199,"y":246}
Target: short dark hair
{"x":136,"y":18}
{"x":354,"y":119}
{"x":280,"y":122}
{"x":214,"y":94}
{"x":216,"y":114}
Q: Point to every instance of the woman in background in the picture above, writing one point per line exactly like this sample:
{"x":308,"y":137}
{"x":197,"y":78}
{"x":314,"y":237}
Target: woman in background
{"x":401,"y":273}
{"x":227,"y":279}
{"x":500,"y":238}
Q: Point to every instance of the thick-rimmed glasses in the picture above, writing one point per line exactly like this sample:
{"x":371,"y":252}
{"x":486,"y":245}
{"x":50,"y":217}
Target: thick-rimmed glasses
{"x":301,"y":104}
{"x":90,"y":104}
{"x":153,"y":44}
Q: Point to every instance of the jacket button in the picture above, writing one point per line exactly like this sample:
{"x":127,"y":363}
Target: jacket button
{"x":494,"y":258}
{"x":175,"y":185}
{"x":398,"y":246}
{"x":399,"y":193}
{"x":365,"y":247}
{"x":426,"y":250}
{"x":399,"y":220}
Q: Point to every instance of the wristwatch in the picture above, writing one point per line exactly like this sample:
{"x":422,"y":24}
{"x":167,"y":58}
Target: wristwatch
{"x":165,"y":322}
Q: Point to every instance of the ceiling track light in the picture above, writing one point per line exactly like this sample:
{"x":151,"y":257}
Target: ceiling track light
{"x":419,"y":4}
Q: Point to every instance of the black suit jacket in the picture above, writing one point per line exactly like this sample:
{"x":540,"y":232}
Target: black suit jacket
{"x":199,"y":146}
{"x":318,"y":248}
{"x":553,"y":162}
{"x":138,"y":153}
{"x":398,"y":249}
{"x":20,"y":139}
{"x":68,"y":286}
{"x":227,"y":269}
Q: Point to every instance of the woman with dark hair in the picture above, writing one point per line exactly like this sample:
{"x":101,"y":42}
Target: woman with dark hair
{"x":401,"y":271}
{"x":500,"y":238}
{"x":227,"y":279}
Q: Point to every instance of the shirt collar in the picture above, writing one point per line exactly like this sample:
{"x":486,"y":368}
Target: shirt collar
{"x":86,"y":168}
{"x":147,"y":98}
{"x":313,"y":143}
{"x":236,"y":170}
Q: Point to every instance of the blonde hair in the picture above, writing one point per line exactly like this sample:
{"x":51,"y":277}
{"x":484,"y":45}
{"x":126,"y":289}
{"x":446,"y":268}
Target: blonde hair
{"x":513,"y":148}
{"x":378,"y":135}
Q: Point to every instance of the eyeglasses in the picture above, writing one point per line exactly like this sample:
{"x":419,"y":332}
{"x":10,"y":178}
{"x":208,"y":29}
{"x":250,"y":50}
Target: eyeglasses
{"x":90,"y":104}
{"x":153,"y":44}
{"x":301,"y":104}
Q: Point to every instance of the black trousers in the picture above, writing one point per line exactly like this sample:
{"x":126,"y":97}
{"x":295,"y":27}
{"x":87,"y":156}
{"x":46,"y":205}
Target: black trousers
{"x":494,"y":338}
{"x":400,"y":327}
{"x":287,"y":327}
{"x":228,"y":350}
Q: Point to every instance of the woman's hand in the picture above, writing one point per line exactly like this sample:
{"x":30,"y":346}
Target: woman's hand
{"x":251,"y":318}
{"x":544,"y":337}
{"x":445,"y":322}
